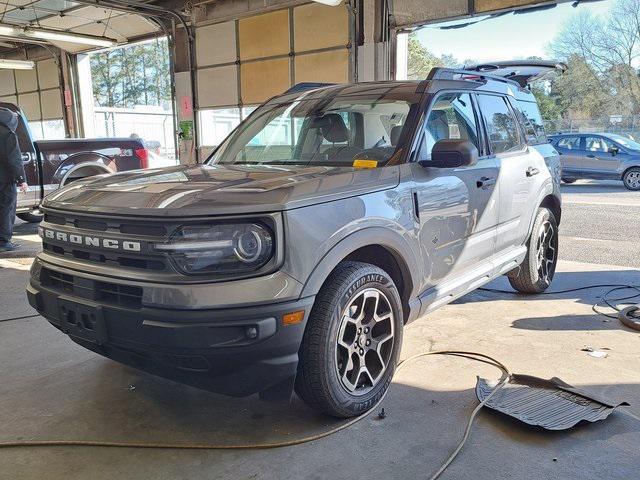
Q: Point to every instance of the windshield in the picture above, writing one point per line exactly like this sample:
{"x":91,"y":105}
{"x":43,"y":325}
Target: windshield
{"x":626,"y":142}
{"x":327,"y":131}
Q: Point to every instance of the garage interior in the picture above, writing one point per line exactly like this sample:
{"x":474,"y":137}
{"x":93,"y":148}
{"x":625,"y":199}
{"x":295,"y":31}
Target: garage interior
{"x":227,"y":57}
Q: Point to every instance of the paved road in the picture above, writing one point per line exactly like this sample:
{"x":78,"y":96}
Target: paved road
{"x":600,"y":224}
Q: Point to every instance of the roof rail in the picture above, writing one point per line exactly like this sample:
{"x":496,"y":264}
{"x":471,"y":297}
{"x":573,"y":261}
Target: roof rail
{"x":301,"y":87}
{"x":444,"y":73}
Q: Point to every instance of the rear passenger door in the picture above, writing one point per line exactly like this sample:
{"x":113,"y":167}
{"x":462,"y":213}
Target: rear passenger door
{"x":457,"y":209}
{"x":521,"y":171}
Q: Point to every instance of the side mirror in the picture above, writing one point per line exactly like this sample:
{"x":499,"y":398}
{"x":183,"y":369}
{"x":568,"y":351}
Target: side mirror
{"x":614,"y":151}
{"x":452,"y":153}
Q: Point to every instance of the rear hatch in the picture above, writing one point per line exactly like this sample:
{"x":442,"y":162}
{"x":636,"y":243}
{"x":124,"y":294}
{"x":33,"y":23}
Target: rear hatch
{"x":521,"y":71}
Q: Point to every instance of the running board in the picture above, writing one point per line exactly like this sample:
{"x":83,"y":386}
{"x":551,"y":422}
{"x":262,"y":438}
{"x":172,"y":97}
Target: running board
{"x":440,"y":295}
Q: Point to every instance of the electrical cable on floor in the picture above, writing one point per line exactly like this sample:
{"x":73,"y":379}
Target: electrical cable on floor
{"x":506,"y":375}
{"x":19,"y":318}
{"x":628,"y":313}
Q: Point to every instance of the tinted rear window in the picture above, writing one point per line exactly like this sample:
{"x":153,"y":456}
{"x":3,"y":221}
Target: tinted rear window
{"x":500,"y":123}
{"x":529,"y":115}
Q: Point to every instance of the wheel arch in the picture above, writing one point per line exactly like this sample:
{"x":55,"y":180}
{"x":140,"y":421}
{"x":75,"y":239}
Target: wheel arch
{"x":552,"y":203}
{"x":95,"y":165}
{"x":391,"y":253}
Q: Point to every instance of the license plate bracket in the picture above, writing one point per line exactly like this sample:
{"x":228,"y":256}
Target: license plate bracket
{"x":85,"y":322}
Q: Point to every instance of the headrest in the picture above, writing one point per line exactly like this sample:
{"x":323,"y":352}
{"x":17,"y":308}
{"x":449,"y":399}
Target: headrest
{"x":334,"y":128}
{"x":438,"y":116}
{"x":394,"y":136}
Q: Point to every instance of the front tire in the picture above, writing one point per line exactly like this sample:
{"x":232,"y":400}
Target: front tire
{"x":631,"y":179}
{"x":536,"y":272}
{"x":352,"y":341}
{"x":30,"y":217}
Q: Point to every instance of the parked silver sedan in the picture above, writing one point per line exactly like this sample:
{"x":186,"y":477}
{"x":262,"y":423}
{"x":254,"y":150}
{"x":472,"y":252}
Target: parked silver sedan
{"x":598,"y":156}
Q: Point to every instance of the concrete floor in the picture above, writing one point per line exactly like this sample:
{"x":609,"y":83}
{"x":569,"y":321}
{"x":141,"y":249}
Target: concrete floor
{"x":52,"y":388}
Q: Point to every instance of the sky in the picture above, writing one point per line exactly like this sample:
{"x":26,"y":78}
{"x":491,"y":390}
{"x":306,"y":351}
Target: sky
{"x":505,"y":38}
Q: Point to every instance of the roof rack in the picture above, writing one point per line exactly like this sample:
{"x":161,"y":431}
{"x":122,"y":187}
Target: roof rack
{"x":301,"y":87}
{"x":444,"y":73}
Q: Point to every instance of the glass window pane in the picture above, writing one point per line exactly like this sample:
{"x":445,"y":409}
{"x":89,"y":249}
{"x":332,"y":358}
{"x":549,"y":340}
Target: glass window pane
{"x":451,"y":117}
{"x":216,"y":124}
{"x":570,"y":143}
{"x":321,"y":131}
{"x":501,"y":125}
{"x":596,"y":144}
{"x":530,"y":117}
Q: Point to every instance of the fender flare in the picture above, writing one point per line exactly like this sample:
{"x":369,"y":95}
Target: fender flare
{"x":546,"y":191}
{"x":396,"y":244}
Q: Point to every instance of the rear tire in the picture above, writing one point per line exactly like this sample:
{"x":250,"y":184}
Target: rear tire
{"x":631,"y":179}
{"x":30,"y":217}
{"x":536,"y":272}
{"x":352,"y":341}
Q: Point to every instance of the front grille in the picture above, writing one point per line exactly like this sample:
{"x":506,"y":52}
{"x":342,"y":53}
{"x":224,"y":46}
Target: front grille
{"x":137,"y":227}
{"x":126,"y":229}
{"x":106,"y":258}
{"x":105,"y":292}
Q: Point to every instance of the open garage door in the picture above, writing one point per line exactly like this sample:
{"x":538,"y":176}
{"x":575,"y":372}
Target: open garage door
{"x":263,"y":55}
{"x":409,"y":13}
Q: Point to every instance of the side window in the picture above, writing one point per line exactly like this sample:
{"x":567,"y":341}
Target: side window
{"x":451,"y":117}
{"x":529,"y":115}
{"x":597,"y":144}
{"x":501,"y":126}
{"x":570,"y":143}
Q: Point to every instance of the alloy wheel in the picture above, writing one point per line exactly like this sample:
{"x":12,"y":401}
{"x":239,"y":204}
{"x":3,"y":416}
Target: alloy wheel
{"x":546,"y":252}
{"x":365,"y":341}
{"x":632,"y":179}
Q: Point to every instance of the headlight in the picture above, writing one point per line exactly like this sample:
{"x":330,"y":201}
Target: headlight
{"x":220,"y":249}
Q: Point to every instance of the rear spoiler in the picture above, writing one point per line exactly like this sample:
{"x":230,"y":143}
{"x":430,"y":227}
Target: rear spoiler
{"x":521,"y":71}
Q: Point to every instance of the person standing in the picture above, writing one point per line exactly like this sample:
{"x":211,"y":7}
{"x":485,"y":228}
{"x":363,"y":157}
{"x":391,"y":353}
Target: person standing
{"x":11,"y":175}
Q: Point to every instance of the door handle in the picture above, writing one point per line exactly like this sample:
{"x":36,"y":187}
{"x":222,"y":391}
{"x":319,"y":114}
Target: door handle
{"x":591,"y":155}
{"x":485,"y":182}
{"x":531,"y":171}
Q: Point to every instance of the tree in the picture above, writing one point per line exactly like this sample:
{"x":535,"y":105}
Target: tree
{"x":603,"y":55}
{"x":132,"y":75}
{"x":421,"y":60}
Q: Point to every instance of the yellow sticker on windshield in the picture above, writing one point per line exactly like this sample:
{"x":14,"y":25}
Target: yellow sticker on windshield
{"x":365,"y":163}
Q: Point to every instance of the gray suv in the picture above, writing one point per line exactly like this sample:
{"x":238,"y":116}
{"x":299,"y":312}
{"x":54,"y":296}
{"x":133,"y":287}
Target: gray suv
{"x":293,"y":258}
{"x":599,"y":156}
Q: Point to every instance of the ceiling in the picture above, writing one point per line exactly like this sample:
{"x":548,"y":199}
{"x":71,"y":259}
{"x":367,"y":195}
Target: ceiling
{"x":74,"y":17}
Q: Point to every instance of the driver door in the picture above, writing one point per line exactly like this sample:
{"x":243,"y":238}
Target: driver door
{"x":457,"y":209}
{"x":599,"y":159}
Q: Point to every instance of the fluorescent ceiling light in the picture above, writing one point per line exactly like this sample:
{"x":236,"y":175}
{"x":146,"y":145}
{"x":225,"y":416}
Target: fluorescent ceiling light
{"x":331,"y":3}
{"x":17,"y":64}
{"x":44,"y":34}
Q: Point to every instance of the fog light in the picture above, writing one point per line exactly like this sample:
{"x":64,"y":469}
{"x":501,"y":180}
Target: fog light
{"x":251,"y":332}
{"x":293,"y":318}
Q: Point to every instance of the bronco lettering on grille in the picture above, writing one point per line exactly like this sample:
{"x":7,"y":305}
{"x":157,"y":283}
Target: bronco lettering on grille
{"x":90,"y":240}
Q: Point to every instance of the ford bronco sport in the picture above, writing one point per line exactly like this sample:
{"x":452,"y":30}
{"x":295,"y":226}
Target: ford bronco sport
{"x":294,"y":256}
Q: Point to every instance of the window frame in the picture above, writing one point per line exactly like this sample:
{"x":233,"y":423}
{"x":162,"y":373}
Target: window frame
{"x":521,"y":137}
{"x":483,"y":148}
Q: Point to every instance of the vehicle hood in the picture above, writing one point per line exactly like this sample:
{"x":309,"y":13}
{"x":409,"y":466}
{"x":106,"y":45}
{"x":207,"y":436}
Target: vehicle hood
{"x":218,"y":190}
{"x":8,"y":119}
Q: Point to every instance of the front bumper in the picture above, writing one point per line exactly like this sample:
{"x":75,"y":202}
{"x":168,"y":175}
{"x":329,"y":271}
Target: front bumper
{"x":235,"y":351}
